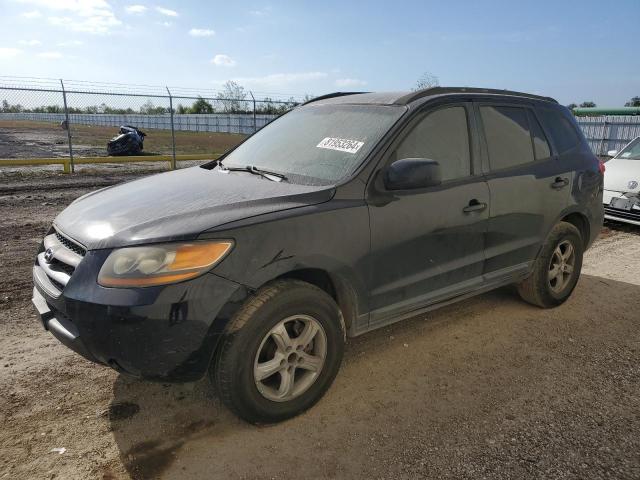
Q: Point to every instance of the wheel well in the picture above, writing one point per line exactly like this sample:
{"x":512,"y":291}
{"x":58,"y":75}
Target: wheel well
{"x":314,"y":276}
{"x":581,"y":223}
{"x":340,"y":291}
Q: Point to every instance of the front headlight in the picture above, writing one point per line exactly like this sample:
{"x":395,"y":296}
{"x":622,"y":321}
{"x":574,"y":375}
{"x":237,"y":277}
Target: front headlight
{"x":161,"y":264}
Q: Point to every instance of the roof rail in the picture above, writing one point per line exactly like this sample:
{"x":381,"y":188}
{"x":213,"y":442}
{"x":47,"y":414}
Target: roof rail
{"x":427,"y":92}
{"x":331,"y":95}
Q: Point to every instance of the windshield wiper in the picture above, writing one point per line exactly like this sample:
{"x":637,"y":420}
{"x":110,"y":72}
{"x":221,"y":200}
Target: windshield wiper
{"x":273,"y":176}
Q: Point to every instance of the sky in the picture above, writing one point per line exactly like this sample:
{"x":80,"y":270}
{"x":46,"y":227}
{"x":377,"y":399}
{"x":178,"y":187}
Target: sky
{"x":574,"y":51}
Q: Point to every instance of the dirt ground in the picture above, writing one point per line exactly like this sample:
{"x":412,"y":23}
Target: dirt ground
{"x":487,"y":388}
{"x":25,"y":139}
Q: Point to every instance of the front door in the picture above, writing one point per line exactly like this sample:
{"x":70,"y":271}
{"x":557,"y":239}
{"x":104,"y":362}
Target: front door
{"x":428,"y":244}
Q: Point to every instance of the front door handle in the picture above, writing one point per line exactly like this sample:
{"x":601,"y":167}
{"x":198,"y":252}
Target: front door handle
{"x":560,"y":183}
{"x":474,"y":206}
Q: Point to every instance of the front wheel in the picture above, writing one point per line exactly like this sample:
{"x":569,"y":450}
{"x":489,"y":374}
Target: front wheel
{"x":557,"y":268}
{"x":281,"y":353}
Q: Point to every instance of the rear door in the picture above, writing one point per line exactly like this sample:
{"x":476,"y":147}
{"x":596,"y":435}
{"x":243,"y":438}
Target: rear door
{"x":528,"y":185}
{"x":428,"y":244}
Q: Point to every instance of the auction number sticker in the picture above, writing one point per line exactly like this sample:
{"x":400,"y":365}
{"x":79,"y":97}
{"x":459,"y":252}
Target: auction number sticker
{"x":340,"y":144}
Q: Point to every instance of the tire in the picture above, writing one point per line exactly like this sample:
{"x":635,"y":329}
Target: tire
{"x":251,"y":348}
{"x":550,"y":283}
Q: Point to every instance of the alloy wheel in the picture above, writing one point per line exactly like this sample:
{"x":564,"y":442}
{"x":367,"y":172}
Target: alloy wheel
{"x":561,"y":266}
{"x":290,"y":358}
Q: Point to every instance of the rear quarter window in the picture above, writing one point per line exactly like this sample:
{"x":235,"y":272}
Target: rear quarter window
{"x":562,"y":131}
{"x":540,"y":143}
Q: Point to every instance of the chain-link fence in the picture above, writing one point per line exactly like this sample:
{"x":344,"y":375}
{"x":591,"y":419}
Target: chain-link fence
{"x":61,"y":119}
{"x":42,"y":118}
{"x":609,"y":132}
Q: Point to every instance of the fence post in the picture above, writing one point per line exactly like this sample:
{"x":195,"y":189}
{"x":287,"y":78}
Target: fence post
{"x":255,"y":125}
{"x":173,"y":132}
{"x":66,"y":117}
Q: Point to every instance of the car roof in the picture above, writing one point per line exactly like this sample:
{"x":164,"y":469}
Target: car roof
{"x":407,"y":97}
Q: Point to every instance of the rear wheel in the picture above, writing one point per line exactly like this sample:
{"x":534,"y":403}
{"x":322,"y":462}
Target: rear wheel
{"x":557,"y":269}
{"x":282,"y":352}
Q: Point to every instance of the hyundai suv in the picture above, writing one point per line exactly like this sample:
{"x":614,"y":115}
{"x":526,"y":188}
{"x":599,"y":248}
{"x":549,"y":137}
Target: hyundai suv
{"x":349,"y":213}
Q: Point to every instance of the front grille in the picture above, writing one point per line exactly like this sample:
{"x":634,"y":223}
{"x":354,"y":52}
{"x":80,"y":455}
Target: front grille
{"x":57,"y":262}
{"x":62,"y":267}
{"x":56,"y":284}
{"x":70,"y":244}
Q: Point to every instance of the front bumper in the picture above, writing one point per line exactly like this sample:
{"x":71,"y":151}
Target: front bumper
{"x":60,"y":326}
{"x":164,"y":333}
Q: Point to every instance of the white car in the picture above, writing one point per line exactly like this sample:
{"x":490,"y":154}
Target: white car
{"x":622,"y":184}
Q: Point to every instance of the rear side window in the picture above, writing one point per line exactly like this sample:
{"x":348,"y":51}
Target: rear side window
{"x":508,"y":138}
{"x":540,"y":143}
{"x":562,"y":132}
{"x":442,"y":136}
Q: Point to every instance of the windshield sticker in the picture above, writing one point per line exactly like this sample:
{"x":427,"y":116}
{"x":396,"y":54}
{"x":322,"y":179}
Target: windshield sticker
{"x":340,"y":144}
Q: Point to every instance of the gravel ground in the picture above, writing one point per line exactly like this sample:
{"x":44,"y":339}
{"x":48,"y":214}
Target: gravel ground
{"x":46,"y":143}
{"x":487,"y":388}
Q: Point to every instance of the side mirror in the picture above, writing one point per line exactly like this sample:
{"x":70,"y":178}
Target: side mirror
{"x":410,"y":173}
{"x":612,"y":153}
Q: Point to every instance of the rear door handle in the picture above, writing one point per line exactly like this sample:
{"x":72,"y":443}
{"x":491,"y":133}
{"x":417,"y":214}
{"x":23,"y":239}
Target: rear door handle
{"x":474,"y":206}
{"x":560,"y":183}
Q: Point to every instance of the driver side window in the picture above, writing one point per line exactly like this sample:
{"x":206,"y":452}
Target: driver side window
{"x":442,"y":136}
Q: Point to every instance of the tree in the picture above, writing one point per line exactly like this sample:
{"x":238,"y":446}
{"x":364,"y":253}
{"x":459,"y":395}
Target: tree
{"x":8,"y":108}
{"x":634,"y":102}
{"x":148,"y":108}
{"x":48,"y":109}
{"x":201,"y":106}
{"x":54,"y":109}
{"x":587,"y":105}
{"x":232,"y":96}
{"x":427,"y":80}
{"x":288,"y":105}
{"x":267,"y":106}
{"x":571,"y":106}
{"x":121,"y":111}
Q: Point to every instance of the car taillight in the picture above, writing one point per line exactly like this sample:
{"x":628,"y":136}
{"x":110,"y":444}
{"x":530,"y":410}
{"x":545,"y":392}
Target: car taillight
{"x":601,"y":167}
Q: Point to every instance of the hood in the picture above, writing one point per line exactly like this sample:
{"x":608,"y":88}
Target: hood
{"x":178,"y":205}
{"x":619,"y":173}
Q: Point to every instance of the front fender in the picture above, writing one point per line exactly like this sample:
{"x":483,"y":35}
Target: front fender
{"x":334,"y":240}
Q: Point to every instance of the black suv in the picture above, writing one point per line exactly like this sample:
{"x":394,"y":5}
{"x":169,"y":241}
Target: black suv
{"x":349,"y":213}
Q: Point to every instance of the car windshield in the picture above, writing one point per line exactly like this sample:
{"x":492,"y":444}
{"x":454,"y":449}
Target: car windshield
{"x":631,"y":151}
{"x":316,"y":144}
